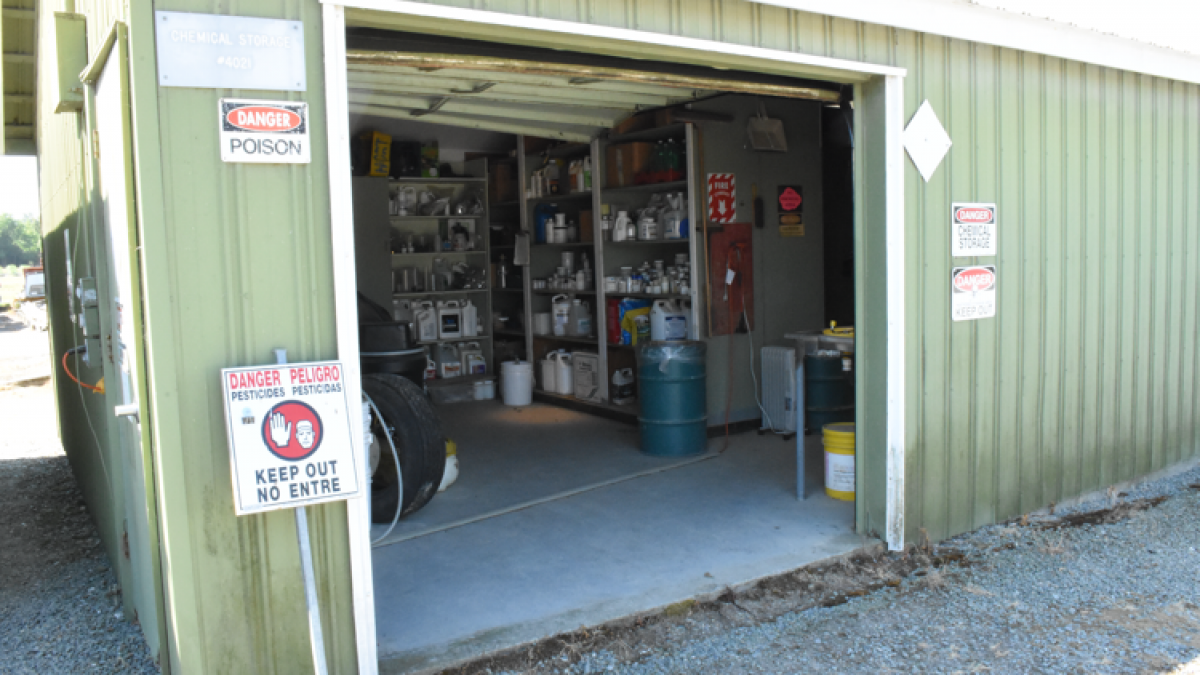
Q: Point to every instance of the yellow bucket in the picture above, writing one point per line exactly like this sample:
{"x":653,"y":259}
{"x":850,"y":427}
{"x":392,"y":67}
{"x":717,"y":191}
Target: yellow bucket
{"x":838,"y":440}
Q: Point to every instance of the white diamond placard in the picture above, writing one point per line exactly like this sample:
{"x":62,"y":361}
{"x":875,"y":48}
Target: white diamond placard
{"x":926,"y":140}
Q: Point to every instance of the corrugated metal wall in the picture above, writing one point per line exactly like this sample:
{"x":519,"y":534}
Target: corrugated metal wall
{"x":236,"y":263}
{"x":1086,"y":376}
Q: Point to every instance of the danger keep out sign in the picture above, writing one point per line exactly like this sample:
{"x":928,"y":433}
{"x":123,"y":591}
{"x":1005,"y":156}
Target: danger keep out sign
{"x":973,"y":292}
{"x":289,"y":436}
{"x":264,"y":132}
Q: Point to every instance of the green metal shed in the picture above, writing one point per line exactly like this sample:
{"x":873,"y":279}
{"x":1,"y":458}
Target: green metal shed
{"x":1085,"y":378}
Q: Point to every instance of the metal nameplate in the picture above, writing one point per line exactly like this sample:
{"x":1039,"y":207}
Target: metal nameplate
{"x":229,"y":52}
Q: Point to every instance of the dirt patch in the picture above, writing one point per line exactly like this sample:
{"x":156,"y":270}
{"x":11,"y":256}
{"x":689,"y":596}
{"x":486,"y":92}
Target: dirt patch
{"x":1114,"y":514}
{"x":825,"y":584}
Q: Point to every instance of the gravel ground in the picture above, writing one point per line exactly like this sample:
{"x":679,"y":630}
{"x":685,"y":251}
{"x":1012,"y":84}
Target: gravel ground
{"x":1110,"y":586}
{"x":60,"y":605}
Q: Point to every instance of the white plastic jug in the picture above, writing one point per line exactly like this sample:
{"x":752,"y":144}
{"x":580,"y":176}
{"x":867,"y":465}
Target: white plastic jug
{"x":402,"y":310}
{"x":470,"y":319}
{"x":667,"y":321}
{"x":449,"y":319}
{"x":621,"y":226}
{"x":449,"y":363}
{"x":472,"y":359}
{"x":564,"y":376}
{"x":622,"y":389}
{"x":561,"y":309}
{"x":427,"y":322}
{"x":580,"y":324}
{"x":549,"y":374}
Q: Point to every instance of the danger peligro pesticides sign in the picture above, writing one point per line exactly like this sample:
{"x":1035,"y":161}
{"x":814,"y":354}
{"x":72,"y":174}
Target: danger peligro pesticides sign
{"x":289,"y":436}
{"x":263,"y":132}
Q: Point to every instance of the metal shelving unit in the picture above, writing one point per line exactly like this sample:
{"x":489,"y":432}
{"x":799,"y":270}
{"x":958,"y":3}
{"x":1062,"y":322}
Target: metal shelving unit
{"x":480,"y":297}
{"x":606,"y":254}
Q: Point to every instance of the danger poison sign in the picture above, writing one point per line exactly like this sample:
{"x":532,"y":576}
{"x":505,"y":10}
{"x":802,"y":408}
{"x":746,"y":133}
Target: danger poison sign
{"x":264,"y":132}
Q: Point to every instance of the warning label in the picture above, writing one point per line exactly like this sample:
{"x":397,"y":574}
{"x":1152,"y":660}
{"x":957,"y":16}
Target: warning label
{"x":972,"y":230}
{"x":263,"y":132}
{"x":973,"y":293}
{"x":289,"y":436}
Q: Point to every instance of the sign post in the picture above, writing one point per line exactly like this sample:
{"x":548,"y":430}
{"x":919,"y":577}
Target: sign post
{"x":290,"y":446}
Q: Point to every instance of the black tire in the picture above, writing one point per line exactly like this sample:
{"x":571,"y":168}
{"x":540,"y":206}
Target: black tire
{"x":420,"y":444}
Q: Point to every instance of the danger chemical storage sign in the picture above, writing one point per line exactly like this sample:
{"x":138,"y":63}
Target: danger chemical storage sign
{"x":972,"y":230}
{"x":264,"y":132}
{"x":973,"y":293}
{"x":289,"y":436}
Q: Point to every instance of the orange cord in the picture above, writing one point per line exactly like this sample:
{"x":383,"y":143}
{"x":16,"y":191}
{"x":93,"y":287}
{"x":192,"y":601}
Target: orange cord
{"x":76,"y":380}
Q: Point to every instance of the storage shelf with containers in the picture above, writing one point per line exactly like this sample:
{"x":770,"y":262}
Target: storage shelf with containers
{"x":438,"y":252}
{"x":581,"y":261}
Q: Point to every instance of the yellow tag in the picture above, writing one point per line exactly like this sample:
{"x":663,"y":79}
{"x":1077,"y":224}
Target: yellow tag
{"x":791,"y":230}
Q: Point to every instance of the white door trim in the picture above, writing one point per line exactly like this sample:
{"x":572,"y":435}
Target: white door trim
{"x":342,"y":233}
{"x":894,"y":158}
{"x":345,"y":302}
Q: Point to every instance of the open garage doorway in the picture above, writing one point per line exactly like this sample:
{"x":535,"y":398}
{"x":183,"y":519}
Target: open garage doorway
{"x":511,"y":175}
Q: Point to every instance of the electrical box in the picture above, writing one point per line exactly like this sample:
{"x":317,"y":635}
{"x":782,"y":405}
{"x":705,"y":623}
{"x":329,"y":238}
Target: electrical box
{"x":89,"y":321}
{"x":70,"y":50}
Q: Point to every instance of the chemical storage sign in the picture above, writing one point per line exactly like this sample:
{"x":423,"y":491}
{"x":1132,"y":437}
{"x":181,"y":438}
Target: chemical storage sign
{"x":973,"y":293}
{"x":722,"y":195}
{"x":289,"y":436}
{"x":263,"y":132}
{"x":972,"y":229}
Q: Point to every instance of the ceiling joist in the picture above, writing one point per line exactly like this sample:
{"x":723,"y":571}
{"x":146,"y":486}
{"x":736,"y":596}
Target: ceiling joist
{"x":590,"y":117}
{"x":483,"y":64}
{"x":539,"y":129}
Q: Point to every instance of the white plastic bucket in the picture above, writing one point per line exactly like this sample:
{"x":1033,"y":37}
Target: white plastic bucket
{"x":516,"y":383}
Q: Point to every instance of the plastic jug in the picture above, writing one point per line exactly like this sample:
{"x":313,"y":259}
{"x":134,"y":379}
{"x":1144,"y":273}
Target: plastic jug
{"x":667,"y":321}
{"x":580,"y":323}
{"x":449,"y":364}
{"x":402,"y":310}
{"x":564,"y":376}
{"x":561,"y":310}
{"x":470,"y":319}
{"x":472,"y":359}
{"x":449,"y":319}
{"x":623,"y":389}
{"x":549,"y":373}
{"x":621,"y":226}
{"x":427,"y":322}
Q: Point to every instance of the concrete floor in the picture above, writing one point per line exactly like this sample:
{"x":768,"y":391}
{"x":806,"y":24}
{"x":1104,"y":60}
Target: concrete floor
{"x":446,"y":595}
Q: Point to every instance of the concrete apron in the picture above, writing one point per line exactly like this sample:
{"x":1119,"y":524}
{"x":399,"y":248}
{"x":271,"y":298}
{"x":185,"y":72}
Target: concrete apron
{"x":597,"y":555}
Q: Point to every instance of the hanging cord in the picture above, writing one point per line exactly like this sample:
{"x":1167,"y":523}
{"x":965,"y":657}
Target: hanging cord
{"x":399,"y":473}
{"x":750,"y":334}
{"x":72,"y":376}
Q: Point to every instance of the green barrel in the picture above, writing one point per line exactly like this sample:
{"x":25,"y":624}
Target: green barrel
{"x":671,"y":392}
{"x":828,"y":391}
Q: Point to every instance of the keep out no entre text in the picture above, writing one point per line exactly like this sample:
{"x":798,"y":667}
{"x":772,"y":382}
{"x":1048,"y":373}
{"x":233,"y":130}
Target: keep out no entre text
{"x":297,"y":481}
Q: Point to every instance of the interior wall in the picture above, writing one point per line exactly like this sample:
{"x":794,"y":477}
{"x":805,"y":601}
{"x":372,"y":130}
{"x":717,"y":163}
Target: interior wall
{"x":788,"y":271}
{"x":453,"y":142}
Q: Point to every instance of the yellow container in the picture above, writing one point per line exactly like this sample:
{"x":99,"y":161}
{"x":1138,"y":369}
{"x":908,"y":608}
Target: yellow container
{"x":838,"y":440}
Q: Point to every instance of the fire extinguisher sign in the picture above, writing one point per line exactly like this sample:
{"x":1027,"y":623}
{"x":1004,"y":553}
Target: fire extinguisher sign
{"x":722,"y":195}
{"x":289,"y":436}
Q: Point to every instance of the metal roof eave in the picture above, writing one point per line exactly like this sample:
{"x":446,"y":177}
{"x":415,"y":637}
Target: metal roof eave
{"x":985,"y":25}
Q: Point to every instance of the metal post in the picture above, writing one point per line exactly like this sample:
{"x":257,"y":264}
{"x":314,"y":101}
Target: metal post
{"x":801,"y":485}
{"x":306,"y":570}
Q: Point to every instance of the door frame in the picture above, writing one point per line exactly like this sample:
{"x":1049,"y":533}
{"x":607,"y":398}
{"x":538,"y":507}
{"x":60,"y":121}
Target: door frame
{"x":884,"y":83}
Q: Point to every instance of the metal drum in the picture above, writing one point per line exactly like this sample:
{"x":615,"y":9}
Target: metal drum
{"x":828,"y":390}
{"x":672,"y":397}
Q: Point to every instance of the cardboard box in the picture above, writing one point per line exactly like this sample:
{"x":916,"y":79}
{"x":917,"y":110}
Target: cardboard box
{"x":623,"y":161}
{"x":585,"y":226}
{"x":639,"y":122}
{"x":502,"y":183}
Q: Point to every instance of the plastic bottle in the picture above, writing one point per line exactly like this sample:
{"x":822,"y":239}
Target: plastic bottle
{"x":580,"y":324}
{"x":470,"y":319}
{"x":667,"y":321}
{"x":587,"y":173}
{"x":561,"y":310}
